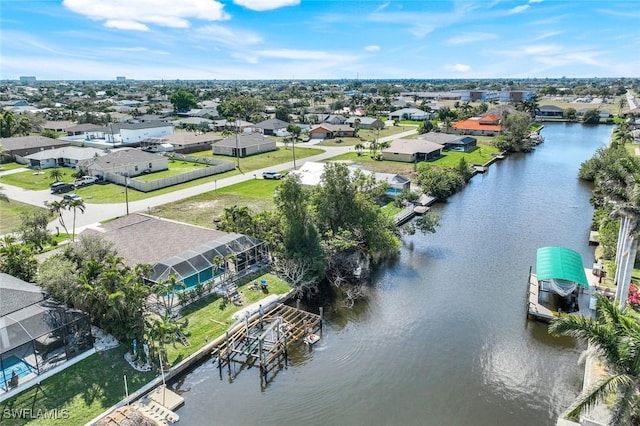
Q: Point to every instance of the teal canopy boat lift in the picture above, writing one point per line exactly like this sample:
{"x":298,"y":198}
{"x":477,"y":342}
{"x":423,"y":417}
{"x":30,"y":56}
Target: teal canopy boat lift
{"x":559,"y":284}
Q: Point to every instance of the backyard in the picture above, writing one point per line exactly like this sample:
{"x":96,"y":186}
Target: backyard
{"x":88,"y":388}
{"x":10,"y":213}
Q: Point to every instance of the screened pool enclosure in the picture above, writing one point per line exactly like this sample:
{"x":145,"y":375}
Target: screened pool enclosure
{"x":231,"y":253}
{"x":37,"y":337}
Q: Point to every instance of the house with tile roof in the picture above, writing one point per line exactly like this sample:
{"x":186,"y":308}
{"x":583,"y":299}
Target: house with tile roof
{"x":487,"y":125}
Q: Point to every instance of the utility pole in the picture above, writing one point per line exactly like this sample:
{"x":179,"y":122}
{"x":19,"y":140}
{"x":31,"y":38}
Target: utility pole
{"x":237,"y":149}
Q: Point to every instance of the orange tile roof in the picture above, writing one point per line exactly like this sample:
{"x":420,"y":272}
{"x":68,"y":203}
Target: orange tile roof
{"x":475,"y":125}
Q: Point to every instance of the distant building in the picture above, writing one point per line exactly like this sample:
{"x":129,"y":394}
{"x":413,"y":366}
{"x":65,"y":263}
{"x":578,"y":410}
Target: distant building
{"x":15,"y":149}
{"x":121,"y":79}
{"x":27,"y":79}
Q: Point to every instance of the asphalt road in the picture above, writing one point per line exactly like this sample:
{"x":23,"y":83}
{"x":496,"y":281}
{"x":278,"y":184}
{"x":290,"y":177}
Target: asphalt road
{"x":95,"y":213}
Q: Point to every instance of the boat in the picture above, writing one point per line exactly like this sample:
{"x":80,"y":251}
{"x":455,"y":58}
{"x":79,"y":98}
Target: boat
{"x":560,"y":285}
{"x":311,"y":339}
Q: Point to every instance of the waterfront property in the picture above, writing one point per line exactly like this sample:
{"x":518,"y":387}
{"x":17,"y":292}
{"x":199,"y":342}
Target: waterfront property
{"x":487,"y":125}
{"x":37,"y":334}
{"x":186,"y":251}
{"x":451,"y":142}
{"x":412,"y":150}
{"x":559,"y":285}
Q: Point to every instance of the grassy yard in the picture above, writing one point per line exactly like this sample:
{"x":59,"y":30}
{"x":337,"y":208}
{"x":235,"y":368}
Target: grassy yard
{"x":176,"y":167}
{"x":203,"y":208}
{"x":260,"y":161}
{"x":112,"y":193}
{"x":10,"y":166}
{"x":83,"y":390}
{"x":10,"y":214}
{"x":211,"y":317}
{"x":93,"y":385}
{"x":36,"y":180}
{"x":390,"y":209}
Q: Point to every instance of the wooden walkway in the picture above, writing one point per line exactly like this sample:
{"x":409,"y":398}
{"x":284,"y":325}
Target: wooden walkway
{"x":264,"y":339}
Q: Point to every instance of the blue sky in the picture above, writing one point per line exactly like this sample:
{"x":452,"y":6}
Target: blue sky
{"x":317,"y":39}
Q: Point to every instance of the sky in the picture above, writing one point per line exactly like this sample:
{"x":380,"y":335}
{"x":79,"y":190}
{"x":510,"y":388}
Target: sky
{"x":318,"y":39}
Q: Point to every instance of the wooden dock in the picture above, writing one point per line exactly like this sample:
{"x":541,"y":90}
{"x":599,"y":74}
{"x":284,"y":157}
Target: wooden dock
{"x":159,"y":405}
{"x":264,"y":340}
{"x":538,"y":311}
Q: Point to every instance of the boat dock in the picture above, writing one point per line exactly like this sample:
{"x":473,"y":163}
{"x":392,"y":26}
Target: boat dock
{"x":159,"y":405}
{"x":538,"y":311}
{"x":264,"y":340}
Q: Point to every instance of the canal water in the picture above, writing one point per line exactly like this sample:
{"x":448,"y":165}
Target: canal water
{"x":443,"y":337}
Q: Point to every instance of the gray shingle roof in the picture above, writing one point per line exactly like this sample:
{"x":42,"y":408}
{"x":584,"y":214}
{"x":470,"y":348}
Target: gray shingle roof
{"x":16,"y":294}
{"x":244,"y":140}
{"x":121,"y":157}
{"x":30,"y":142}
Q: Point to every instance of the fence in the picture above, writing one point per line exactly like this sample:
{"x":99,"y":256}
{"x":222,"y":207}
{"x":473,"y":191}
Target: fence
{"x":215,"y":167}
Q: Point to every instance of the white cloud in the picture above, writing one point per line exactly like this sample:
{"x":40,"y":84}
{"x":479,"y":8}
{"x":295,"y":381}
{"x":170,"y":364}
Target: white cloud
{"x":518,"y":9}
{"x":548,"y":34}
{"x":262,"y":5}
{"x":303,"y":55}
{"x":136,"y":14}
{"x":383,"y":6}
{"x":372,"y":48}
{"x":227,"y":36}
{"x":457,"y":67}
{"x":471,"y":38}
{"x":535,"y":1}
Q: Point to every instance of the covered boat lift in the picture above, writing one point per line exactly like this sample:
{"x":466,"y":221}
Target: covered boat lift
{"x":560,"y":284}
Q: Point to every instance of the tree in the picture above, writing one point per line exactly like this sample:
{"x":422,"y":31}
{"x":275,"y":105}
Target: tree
{"x":359,"y":148}
{"x":55,"y":174}
{"x":570,"y":114}
{"x":183,"y":100}
{"x":8,"y":124}
{"x":58,"y":208}
{"x":425,"y":127}
{"x":33,"y":229}
{"x":592,"y":116}
{"x":295,"y":131}
{"x":439,"y":183}
{"x":515,"y":130}
{"x":17,"y":260}
{"x":615,"y":335}
{"x":282,"y":113}
{"x":621,"y":104}
{"x":75,"y":205}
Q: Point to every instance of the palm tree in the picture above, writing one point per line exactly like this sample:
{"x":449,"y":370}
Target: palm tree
{"x":295,"y":133}
{"x":615,"y":335}
{"x":359,"y":148}
{"x":621,"y":104}
{"x":58,"y":208}
{"x":55,"y":174}
{"x":76,"y":205}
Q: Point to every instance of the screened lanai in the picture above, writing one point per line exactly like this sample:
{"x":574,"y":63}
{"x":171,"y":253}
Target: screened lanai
{"x":235,"y":252}
{"x":36,"y":334}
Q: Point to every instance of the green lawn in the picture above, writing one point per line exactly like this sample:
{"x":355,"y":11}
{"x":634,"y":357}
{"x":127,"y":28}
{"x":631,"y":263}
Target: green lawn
{"x":211,"y":316}
{"x":390,"y":209}
{"x":112,"y":193}
{"x":260,"y":161}
{"x":10,"y":166}
{"x":481,"y":155}
{"x":203,"y":208}
{"x":176,"y":167}
{"x":83,"y":390}
{"x":10,"y":214}
{"x":36,"y":180}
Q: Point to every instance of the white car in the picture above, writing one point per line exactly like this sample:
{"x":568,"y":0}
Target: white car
{"x":85,"y":180}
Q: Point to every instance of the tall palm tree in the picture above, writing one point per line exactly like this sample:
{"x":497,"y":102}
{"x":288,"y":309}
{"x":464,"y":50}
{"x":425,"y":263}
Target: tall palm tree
{"x":359,"y":148}
{"x":58,"y":208}
{"x":55,"y":174}
{"x":76,"y":205}
{"x":615,"y":336}
{"x":295,"y":133}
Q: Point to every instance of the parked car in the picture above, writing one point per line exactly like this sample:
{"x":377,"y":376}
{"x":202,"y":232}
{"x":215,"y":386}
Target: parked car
{"x":85,"y":180}
{"x":60,"y":187}
{"x":72,"y":196}
{"x":306,"y":139}
{"x":271,"y":175}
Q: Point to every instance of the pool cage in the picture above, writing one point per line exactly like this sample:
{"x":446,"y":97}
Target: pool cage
{"x":39,"y":337}
{"x":236,"y":254}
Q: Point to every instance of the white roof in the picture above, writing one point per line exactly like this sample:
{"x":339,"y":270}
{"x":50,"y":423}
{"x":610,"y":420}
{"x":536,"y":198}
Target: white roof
{"x":310,"y":174}
{"x":70,"y":152}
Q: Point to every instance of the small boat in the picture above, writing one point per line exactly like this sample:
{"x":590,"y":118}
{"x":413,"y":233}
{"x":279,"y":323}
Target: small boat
{"x":311,"y":339}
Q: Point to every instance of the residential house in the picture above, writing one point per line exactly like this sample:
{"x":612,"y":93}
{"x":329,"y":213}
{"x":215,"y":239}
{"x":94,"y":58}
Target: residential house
{"x":488,"y":125}
{"x":243,"y":145}
{"x":194,"y":121}
{"x":15,"y":149}
{"x":412,"y":150}
{"x":409,"y":114}
{"x":80,"y":129}
{"x":131,"y":134}
{"x":139,"y":238}
{"x":270,"y":126}
{"x":232,"y":125}
{"x":367,"y":123}
{"x":58,"y":126}
{"x":186,"y":142}
{"x":67,"y":156}
{"x":330,"y":131}
{"x":37,"y":335}
{"x":549,"y":111}
{"x":124,"y":162}
{"x":451,"y":142}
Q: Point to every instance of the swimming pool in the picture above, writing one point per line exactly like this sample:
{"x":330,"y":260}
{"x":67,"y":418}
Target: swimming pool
{"x":13,"y":363}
